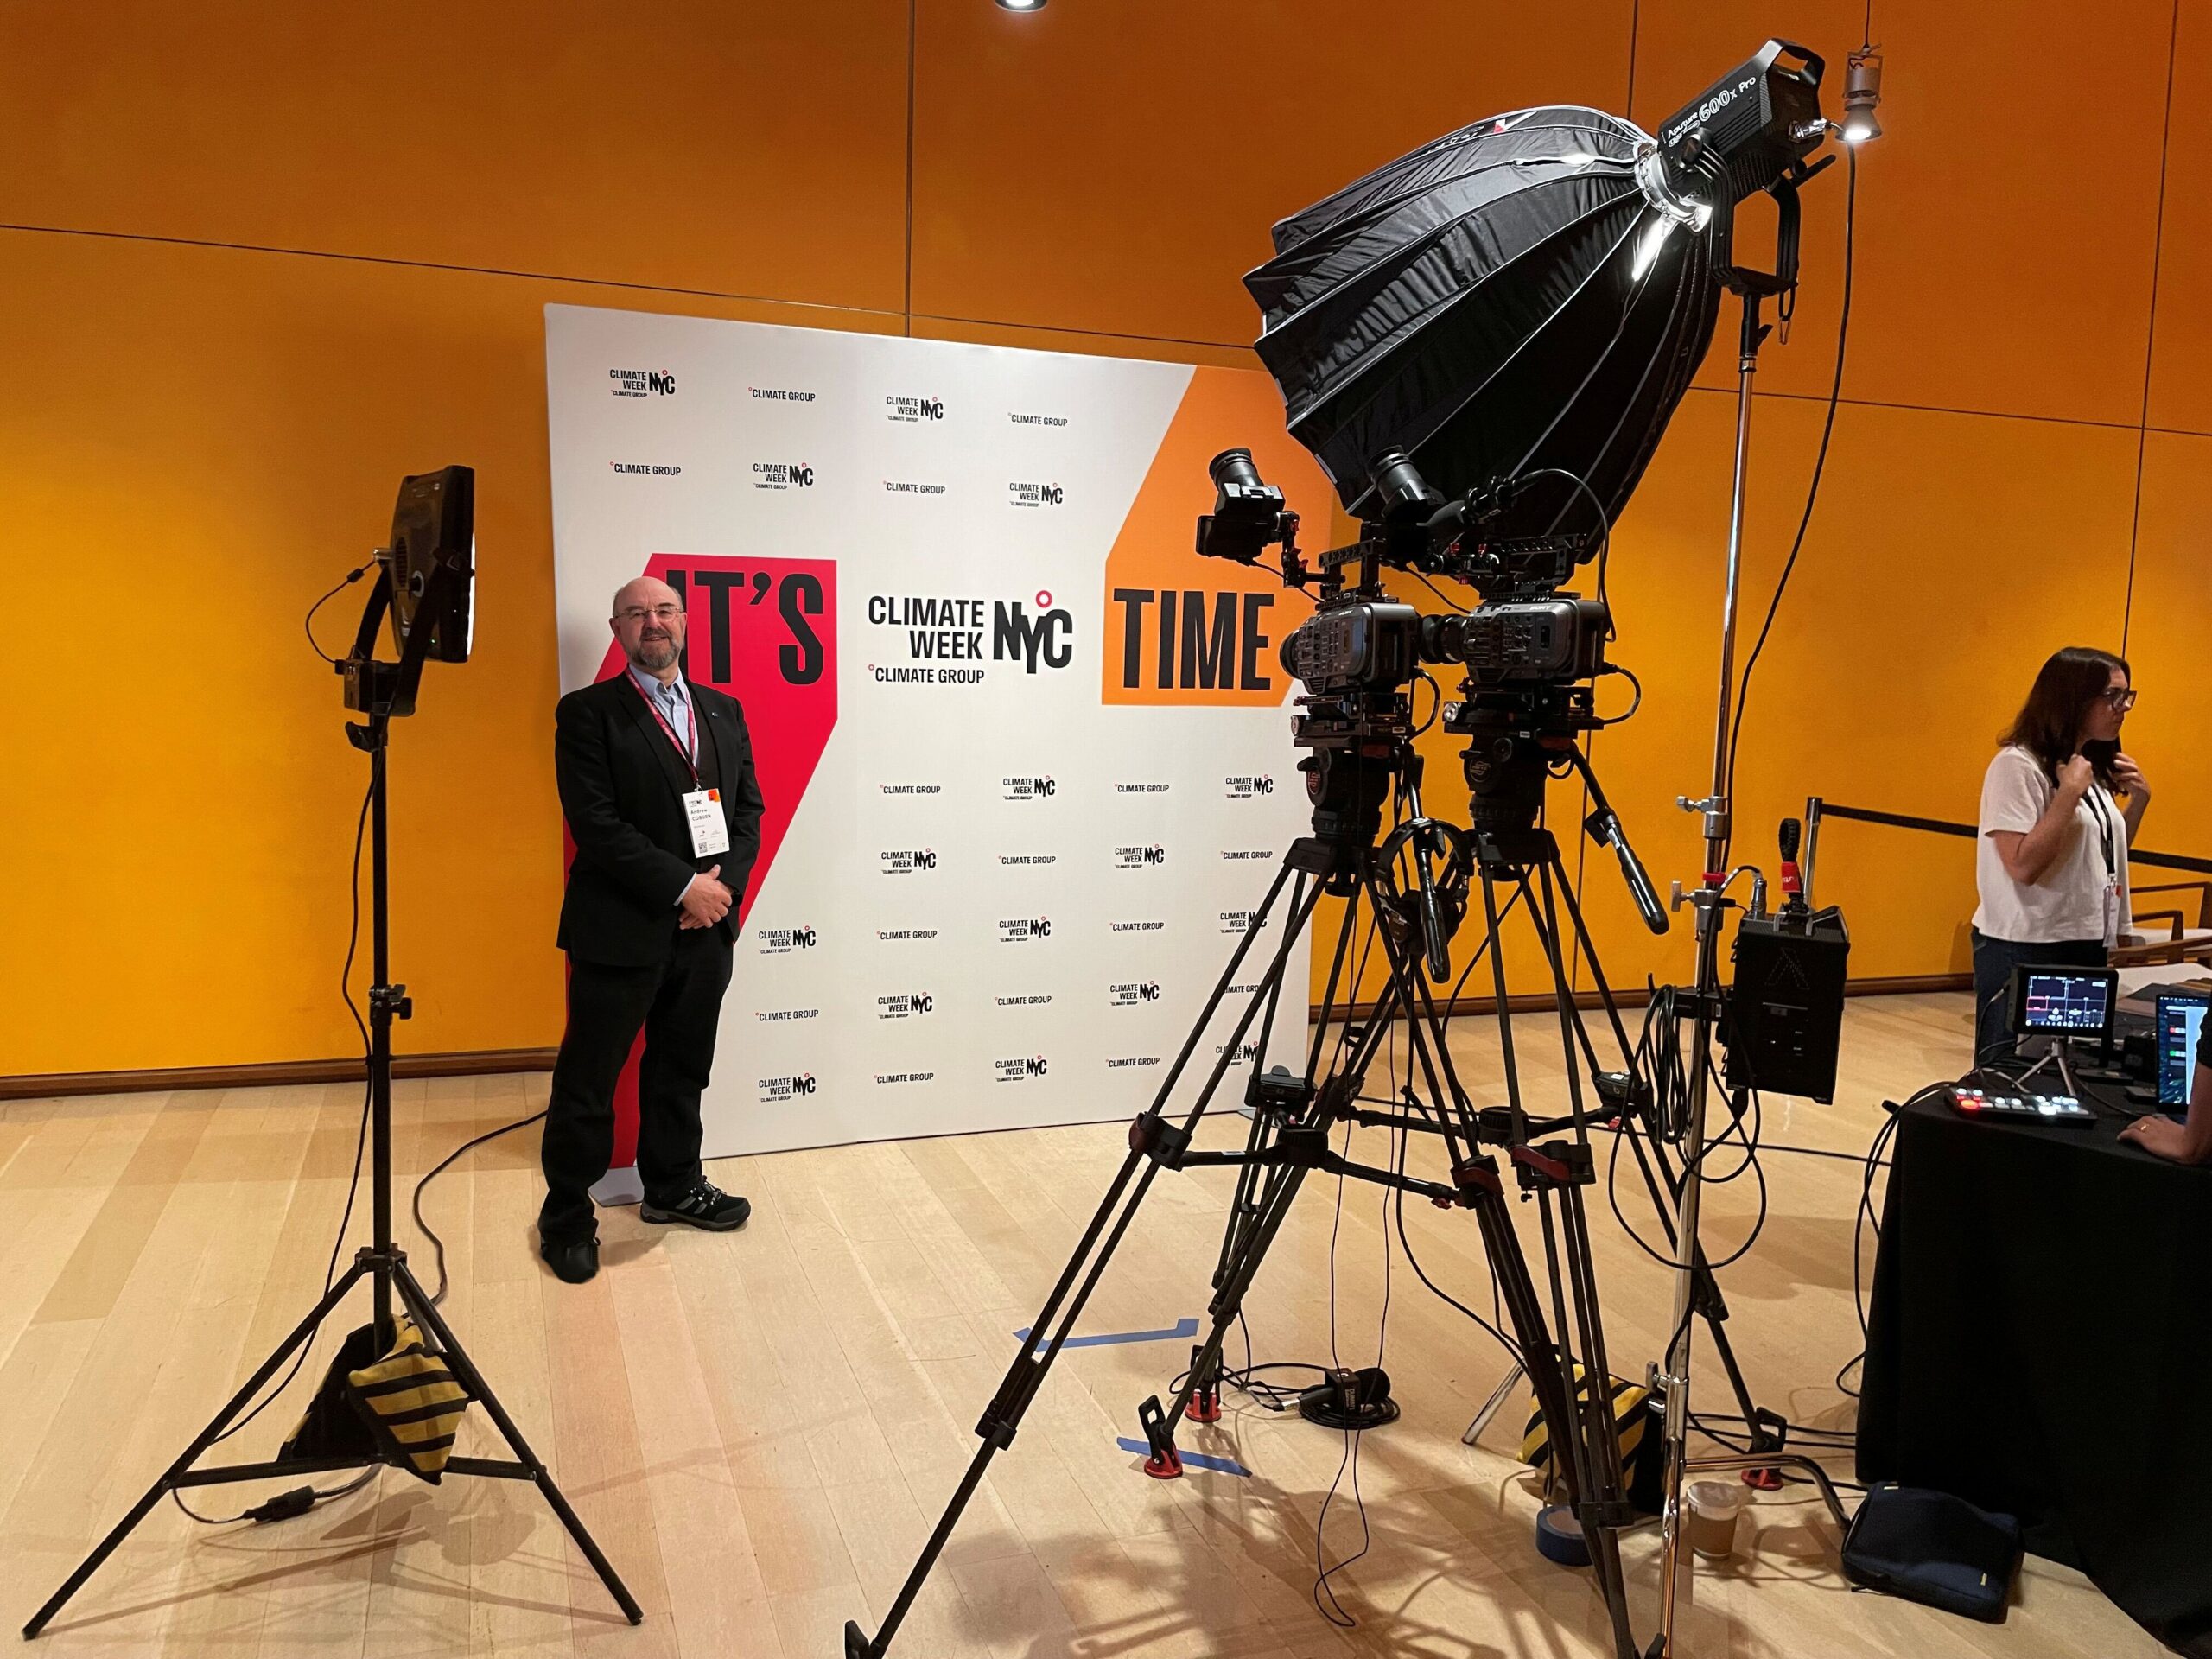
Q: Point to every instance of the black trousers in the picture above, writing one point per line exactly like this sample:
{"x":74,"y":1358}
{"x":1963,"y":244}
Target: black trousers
{"x":1993,"y":962}
{"x":678,"y":1001}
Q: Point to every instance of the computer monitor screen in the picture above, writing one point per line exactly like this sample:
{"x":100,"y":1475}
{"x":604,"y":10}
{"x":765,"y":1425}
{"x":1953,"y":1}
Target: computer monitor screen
{"x":2180,"y":1021}
{"x":2063,"y":1001}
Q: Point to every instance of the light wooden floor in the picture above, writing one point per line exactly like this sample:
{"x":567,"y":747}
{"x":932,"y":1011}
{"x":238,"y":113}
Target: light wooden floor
{"x":762,"y":1427}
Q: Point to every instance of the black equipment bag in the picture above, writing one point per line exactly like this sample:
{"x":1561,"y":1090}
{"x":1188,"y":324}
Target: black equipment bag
{"x":331,"y":1427}
{"x":1932,"y":1547}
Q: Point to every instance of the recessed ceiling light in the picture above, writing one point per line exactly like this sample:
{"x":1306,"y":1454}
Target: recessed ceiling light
{"x":1022,"y":5}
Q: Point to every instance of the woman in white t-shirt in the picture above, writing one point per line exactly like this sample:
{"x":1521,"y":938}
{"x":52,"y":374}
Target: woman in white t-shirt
{"x":2052,"y":860}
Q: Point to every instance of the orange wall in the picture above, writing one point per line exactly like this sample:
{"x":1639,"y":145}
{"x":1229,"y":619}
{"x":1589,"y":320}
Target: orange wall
{"x":262,"y":259}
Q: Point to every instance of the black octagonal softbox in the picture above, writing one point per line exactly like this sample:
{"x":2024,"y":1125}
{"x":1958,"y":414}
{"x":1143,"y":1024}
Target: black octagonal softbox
{"x":1534,"y":290}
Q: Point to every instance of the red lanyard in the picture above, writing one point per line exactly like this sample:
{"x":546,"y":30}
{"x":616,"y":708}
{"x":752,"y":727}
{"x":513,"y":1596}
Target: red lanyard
{"x":691,"y":715}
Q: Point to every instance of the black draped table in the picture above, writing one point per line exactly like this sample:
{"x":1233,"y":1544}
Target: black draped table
{"x":2040,"y":1342}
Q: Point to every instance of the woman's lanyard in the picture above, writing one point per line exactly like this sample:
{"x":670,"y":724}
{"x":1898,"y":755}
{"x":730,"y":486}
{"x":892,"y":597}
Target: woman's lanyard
{"x":2105,"y":828}
{"x":691,"y":715}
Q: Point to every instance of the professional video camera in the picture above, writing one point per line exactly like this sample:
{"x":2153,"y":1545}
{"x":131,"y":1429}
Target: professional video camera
{"x":1528,"y":649}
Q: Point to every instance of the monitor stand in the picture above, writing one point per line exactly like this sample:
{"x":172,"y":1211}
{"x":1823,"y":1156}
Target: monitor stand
{"x":2058,"y":1054}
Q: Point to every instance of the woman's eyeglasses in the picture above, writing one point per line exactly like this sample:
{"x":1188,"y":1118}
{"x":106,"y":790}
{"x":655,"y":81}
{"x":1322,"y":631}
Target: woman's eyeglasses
{"x":2121,"y":699}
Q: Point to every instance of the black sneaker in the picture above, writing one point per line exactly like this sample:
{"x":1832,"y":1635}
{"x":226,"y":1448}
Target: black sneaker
{"x":705,"y":1206}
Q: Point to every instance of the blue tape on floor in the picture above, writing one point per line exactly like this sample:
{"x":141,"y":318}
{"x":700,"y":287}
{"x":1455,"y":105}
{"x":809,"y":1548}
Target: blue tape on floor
{"x":1191,"y":1459}
{"x":1181,"y":1328}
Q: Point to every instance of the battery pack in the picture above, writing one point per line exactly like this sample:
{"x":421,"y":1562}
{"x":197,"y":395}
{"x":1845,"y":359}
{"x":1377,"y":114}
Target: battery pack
{"x":1786,"y":1008}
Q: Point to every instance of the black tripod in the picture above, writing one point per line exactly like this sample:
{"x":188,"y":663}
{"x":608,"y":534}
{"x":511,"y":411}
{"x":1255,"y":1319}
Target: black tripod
{"x":1630,"y":1100}
{"x":379,"y":690}
{"x":1293,"y":1116}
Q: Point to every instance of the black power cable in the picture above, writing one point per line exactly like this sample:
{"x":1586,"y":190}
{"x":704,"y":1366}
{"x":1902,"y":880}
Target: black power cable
{"x":1813,"y":490}
{"x":307,"y":622}
{"x":437,"y":1244}
{"x":1865,"y":1216}
{"x":278,"y":1508}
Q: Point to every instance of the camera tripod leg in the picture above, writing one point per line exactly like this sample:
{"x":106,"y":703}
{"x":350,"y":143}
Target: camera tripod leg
{"x":1246,"y":1246}
{"x":1265,"y":1184}
{"x":1584,"y":1446}
{"x":173,"y":1476}
{"x":1602,"y":1431}
{"x":1244,"y":1205}
{"x":1586,"y":1456}
{"x":1153,"y":1143}
{"x":1282,"y":1191}
{"x":1549,"y":1369}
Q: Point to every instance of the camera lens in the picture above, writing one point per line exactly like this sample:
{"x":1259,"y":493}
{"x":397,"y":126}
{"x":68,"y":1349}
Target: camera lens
{"x":1234,"y":466}
{"x":1405,"y":495}
{"x":1443,"y":638}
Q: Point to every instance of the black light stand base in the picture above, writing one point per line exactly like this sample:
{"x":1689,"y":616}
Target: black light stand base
{"x":382,"y":1265}
{"x":389,"y":1273}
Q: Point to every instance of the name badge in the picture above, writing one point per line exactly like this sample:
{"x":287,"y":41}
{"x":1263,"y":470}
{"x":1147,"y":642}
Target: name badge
{"x":709,"y":829}
{"x":2113,"y":920}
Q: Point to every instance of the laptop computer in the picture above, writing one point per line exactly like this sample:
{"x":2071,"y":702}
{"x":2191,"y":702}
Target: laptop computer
{"x":2178,"y":1030}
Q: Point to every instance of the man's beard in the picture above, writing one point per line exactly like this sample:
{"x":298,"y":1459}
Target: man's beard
{"x":654,"y":655}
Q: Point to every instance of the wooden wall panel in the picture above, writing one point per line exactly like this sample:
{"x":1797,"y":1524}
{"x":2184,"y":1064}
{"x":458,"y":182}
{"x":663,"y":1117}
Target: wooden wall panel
{"x":2169,"y":642}
{"x":2007,"y":219}
{"x":194,"y":442}
{"x":1949,"y":556}
{"x":2181,"y":345}
{"x":197,"y":444}
{"x":1115,"y":168}
{"x":747,"y":149}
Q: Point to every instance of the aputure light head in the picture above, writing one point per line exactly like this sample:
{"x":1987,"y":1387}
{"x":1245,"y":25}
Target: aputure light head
{"x":1742,"y":134}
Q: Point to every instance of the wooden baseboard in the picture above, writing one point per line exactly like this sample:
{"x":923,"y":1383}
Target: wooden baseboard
{"x":474,"y":1063}
{"x":1909,"y":985}
{"x":484,"y":1061}
{"x":1535,"y":1002}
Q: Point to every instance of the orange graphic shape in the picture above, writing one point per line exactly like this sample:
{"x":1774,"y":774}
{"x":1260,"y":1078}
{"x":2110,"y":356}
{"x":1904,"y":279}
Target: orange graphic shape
{"x":1154,"y":554}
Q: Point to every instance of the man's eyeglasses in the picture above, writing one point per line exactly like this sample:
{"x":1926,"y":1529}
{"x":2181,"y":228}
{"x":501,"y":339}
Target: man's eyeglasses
{"x":639,"y":612}
{"x":2121,"y":699}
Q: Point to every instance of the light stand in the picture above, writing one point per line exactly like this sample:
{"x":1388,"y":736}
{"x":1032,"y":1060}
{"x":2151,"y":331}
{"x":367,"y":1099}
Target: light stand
{"x":1707,"y":1000}
{"x":379,"y":690}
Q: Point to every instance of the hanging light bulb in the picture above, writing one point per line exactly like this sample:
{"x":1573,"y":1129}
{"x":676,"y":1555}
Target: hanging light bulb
{"x":1862,"y":95}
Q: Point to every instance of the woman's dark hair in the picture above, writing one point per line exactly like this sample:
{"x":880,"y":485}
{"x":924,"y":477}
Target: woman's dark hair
{"x":2049,"y":725}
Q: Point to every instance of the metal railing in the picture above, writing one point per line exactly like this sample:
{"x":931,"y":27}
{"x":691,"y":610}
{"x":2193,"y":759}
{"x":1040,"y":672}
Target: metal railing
{"x":1817,"y":809}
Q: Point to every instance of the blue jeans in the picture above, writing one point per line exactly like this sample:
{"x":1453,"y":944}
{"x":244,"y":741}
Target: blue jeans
{"x":1993,"y":962}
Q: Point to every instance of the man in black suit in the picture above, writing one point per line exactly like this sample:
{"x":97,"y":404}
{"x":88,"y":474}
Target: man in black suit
{"x":656,"y":782}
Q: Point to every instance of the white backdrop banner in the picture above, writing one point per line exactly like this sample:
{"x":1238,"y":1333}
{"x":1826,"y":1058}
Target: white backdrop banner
{"x":1026,"y":757}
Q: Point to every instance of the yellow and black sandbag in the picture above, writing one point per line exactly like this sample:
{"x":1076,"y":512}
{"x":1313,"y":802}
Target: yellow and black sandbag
{"x":1634,"y":1412}
{"x":412,"y":1404}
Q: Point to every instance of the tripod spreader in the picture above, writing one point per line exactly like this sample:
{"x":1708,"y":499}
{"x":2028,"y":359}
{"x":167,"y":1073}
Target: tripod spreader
{"x":1307,"y":1148}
